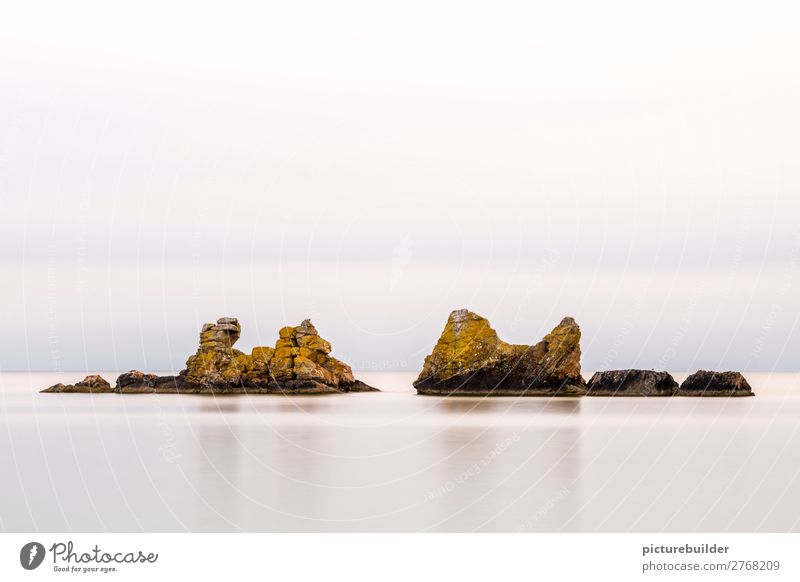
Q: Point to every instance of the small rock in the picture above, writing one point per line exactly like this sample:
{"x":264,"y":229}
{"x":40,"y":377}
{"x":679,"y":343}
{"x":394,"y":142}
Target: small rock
{"x":359,"y":386}
{"x":135,"y":382}
{"x":705,"y":383}
{"x":631,"y":383}
{"x":93,"y":383}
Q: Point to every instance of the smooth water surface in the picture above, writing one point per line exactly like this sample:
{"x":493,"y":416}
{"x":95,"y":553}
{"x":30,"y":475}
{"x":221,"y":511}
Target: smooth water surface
{"x":395,"y":461}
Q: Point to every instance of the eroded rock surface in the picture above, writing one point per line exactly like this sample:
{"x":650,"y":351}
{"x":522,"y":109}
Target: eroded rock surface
{"x":217,"y":365}
{"x":470,"y":359}
{"x":93,"y":383}
{"x":706,"y":383}
{"x":631,"y":383}
{"x":136,"y":382}
{"x":300,"y":363}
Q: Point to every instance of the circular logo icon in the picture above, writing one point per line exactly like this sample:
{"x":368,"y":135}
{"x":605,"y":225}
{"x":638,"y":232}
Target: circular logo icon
{"x":31,"y":555}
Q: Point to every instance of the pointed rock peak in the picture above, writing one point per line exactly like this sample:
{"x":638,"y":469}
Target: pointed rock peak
{"x":465,"y":321}
{"x":464,"y":324}
{"x":462,"y":315}
{"x":562,"y":348}
{"x":568,"y":330}
{"x":306,"y":328}
{"x":467,"y":339}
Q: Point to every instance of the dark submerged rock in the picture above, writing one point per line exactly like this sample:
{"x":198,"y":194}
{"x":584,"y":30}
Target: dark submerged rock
{"x":471,"y":360}
{"x":631,"y":383}
{"x":706,"y":383}
{"x":93,"y":383}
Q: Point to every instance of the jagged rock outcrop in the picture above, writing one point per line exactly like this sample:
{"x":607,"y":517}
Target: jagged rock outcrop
{"x":470,"y":359}
{"x":631,"y":383}
{"x":216,"y":365}
{"x":300,"y":362}
{"x":705,"y":383}
{"x":93,"y":383}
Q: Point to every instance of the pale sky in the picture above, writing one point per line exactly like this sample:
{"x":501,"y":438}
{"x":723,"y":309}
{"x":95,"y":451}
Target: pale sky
{"x":375,"y":165}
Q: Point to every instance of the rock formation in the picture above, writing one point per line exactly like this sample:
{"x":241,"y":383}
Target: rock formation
{"x":216,"y":366}
{"x":470,"y":359}
{"x":705,"y":383}
{"x":300,"y":362}
{"x":93,"y":383}
{"x":631,"y":383}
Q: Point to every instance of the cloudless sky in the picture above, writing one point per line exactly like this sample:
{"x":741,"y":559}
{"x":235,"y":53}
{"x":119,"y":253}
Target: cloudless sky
{"x":374,"y":165}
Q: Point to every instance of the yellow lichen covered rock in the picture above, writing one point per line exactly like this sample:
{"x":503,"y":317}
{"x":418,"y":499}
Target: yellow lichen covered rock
{"x":301,"y":360}
{"x":260,"y":357}
{"x":299,"y":363}
{"x":471,"y":359}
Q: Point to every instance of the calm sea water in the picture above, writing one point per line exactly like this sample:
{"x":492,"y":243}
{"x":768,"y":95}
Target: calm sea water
{"x":395,"y":461}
